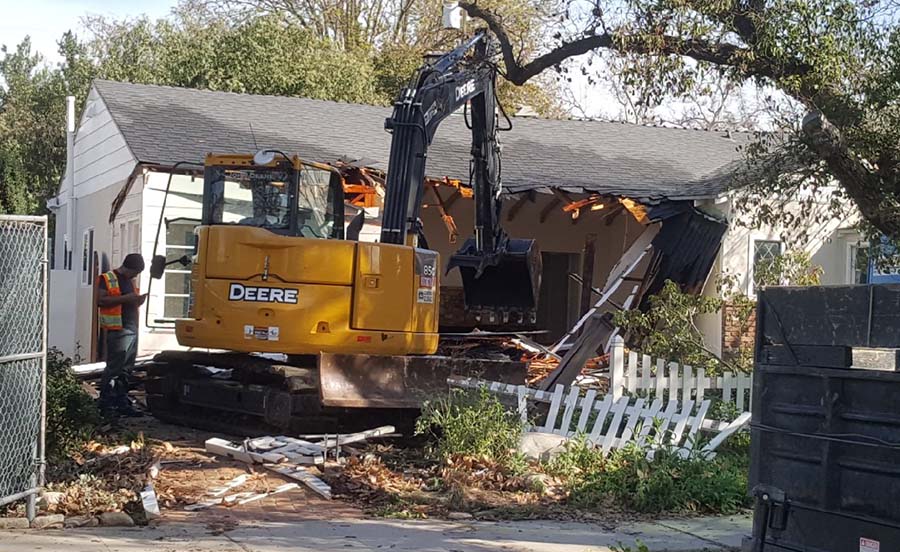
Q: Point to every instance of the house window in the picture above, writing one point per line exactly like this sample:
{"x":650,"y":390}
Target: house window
{"x":859,"y":264}
{"x":765,"y":253}
{"x":134,"y":237}
{"x":87,"y":257}
{"x":179,"y":242}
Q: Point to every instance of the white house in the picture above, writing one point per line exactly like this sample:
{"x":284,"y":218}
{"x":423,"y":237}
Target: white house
{"x":582,"y":189}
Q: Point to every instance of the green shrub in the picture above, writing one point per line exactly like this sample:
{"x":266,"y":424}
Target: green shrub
{"x":667,"y":483}
{"x":71,"y":414}
{"x":471,"y":423}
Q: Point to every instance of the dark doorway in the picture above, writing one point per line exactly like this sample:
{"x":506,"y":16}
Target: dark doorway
{"x":553,"y":306}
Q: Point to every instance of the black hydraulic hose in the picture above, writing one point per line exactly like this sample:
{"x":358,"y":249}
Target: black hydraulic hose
{"x":159,"y":224}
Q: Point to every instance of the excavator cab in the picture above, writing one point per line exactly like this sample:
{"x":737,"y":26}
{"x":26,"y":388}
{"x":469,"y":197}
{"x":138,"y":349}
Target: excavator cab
{"x":283,"y":195}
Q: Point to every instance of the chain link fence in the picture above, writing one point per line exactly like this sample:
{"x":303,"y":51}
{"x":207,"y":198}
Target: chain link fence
{"x":23,"y":356}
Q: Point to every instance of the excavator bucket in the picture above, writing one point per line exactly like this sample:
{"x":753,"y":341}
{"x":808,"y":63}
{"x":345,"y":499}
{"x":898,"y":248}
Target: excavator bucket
{"x":507,"y":281}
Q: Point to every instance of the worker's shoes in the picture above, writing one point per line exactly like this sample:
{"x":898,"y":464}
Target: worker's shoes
{"x":119,"y":407}
{"x":129,"y":411}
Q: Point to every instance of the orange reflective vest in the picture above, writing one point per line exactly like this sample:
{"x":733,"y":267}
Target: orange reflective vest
{"x":111,"y":317}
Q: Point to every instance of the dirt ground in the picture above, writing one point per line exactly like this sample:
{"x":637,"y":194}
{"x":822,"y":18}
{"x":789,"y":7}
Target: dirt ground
{"x":188,"y":472}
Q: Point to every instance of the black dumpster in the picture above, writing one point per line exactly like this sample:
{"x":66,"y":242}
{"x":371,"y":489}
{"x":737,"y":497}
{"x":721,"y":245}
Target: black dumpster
{"x":825,"y":460}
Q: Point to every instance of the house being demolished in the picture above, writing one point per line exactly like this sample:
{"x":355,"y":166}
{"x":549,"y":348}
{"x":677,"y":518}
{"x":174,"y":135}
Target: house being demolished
{"x":616,"y":209}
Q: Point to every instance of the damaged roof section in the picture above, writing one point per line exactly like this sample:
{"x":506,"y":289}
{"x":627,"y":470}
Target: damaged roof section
{"x":163,"y":125}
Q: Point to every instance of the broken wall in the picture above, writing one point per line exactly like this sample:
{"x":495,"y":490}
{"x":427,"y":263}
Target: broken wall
{"x":557,"y":234}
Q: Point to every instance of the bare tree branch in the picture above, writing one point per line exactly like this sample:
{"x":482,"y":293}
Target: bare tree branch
{"x":718,"y":53}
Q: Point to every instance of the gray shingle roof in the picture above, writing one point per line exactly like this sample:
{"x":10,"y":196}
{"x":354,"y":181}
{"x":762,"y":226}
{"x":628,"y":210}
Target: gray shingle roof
{"x":165,"y":124}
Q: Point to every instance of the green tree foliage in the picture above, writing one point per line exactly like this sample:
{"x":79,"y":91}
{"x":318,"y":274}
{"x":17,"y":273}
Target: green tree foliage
{"x":312,"y":49}
{"x":668,"y":330}
{"x":839,"y":60}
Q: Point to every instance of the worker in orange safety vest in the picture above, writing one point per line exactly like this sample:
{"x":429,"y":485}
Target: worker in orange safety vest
{"x":119,"y":302}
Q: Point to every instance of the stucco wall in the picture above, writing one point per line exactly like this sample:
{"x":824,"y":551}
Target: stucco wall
{"x":827,"y":242}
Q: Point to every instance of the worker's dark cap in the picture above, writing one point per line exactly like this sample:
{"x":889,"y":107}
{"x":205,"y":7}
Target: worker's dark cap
{"x":133,"y":261}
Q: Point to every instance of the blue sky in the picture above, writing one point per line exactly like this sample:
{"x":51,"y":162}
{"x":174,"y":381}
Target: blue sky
{"x":46,"y":20}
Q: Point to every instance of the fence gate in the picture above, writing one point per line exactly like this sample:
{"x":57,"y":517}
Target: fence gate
{"x":23,"y":356}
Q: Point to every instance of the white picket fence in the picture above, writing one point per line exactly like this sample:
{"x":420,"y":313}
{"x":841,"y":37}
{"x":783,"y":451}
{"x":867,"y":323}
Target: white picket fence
{"x":641,"y":375}
{"x":616,"y":420}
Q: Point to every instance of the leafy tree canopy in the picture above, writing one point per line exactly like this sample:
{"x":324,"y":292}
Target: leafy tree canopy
{"x":313,"y":49}
{"x":837,"y":59}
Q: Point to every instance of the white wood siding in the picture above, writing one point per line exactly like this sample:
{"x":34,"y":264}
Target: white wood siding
{"x":101,"y":155}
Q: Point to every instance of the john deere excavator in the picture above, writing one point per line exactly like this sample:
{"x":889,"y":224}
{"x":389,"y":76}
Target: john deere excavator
{"x":349,"y":326}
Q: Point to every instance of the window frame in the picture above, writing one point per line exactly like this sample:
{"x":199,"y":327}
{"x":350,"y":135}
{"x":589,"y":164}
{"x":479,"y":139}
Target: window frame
{"x":87,"y":257}
{"x":751,"y":261}
{"x":176,"y":269}
{"x":850,"y":262}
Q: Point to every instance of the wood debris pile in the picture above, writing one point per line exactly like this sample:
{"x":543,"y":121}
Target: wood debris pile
{"x":289,"y":457}
{"x":104,"y":478}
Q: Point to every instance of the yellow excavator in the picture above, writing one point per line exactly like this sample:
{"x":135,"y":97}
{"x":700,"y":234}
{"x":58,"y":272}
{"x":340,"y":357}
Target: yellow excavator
{"x":319,"y":329}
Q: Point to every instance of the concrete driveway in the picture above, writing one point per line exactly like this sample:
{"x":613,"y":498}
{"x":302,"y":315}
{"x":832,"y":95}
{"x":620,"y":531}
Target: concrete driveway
{"x":381,"y":534}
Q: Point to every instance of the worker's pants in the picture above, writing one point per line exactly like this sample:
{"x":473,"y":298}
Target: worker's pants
{"x":121,"y":350}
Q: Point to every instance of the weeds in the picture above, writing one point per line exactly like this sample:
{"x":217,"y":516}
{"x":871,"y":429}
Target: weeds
{"x":665,"y":483}
{"x":72,"y":417}
{"x":471,"y":424}
{"x":641,"y":547}
{"x":475,"y":438}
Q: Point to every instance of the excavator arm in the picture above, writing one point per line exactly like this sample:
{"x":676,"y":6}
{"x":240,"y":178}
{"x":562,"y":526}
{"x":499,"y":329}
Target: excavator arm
{"x":501,"y":276}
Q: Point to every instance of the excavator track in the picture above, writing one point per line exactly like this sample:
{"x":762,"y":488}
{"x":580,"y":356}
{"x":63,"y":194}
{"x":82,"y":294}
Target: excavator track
{"x":253,"y":395}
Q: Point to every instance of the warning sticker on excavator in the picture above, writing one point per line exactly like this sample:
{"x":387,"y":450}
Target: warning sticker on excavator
{"x":262,"y":333}
{"x":425,"y":295}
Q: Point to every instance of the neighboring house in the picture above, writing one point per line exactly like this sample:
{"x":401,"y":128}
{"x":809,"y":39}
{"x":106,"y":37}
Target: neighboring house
{"x":582,"y":189}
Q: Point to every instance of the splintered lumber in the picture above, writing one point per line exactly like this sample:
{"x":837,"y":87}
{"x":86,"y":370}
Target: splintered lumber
{"x":279,"y":489}
{"x":303,"y":459}
{"x":356,"y":437}
{"x":233,"y":484}
{"x":302,"y":475}
{"x":228,"y":449}
{"x":298,"y":446}
{"x":627,"y":263}
{"x":265,"y":444}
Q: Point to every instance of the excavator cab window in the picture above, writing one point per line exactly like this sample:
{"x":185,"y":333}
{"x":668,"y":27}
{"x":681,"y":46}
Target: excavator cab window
{"x":280,"y":199}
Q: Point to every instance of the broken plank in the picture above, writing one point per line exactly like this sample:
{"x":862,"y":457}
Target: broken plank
{"x":533,"y":346}
{"x":304,"y":459}
{"x":230,"y":450}
{"x":303,"y":476}
{"x":264,"y":444}
{"x":280,"y":489}
{"x":234,"y":483}
{"x":356,"y":437}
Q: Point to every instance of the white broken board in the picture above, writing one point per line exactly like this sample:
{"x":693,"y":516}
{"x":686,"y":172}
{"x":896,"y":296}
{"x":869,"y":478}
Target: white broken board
{"x":234,"y":483}
{"x":332,"y":442}
{"x":279,"y":489}
{"x":236,"y":452}
{"x":302,"y":475}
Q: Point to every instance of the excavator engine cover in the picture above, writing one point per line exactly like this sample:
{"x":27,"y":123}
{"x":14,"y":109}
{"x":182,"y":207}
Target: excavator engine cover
{"x":508,"y":281}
